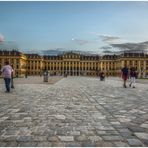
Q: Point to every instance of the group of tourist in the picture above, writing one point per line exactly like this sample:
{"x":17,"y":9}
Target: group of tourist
{"x":126,"y":74}
{"x":132,"y":74}
{"x":8,"y":73}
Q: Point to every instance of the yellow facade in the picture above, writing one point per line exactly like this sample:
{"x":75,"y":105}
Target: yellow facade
{"x":34,"y":64}
{"x":71,"y":64}
{"x":16,"y":59}
{"x":74,"y":64}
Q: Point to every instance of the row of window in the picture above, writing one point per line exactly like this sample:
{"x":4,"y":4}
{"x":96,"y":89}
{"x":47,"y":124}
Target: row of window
{"x":33,"y":67}
{"x":15,"y":66}
{"x":39,"y":62}
{"x":136,"y":62}
{"x":71,"y":57}
{"x":32,"y":62}
{"x":68,"y":64}
{"x":69,"y":68}
{"x":62,"y":72}
{"x":10,"y":60}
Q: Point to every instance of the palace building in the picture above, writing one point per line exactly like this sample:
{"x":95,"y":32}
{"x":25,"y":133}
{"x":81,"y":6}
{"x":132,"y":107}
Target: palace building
{"x":75,"y":64}
{"x":17,"y":59}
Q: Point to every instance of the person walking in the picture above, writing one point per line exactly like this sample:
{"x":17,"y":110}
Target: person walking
{"x":12,"y":77}
{"x":102,"y":76}
{"x":133,"y":75}
{"x":124,"y":73}
{"x":7,"y":74}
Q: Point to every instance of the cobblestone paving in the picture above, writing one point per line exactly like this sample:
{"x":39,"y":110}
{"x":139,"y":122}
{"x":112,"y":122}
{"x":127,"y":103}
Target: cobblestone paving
{"x":75,"y":111}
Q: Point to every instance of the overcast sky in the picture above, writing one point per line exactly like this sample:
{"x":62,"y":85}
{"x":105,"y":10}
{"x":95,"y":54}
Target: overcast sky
{"x":87,"y":26}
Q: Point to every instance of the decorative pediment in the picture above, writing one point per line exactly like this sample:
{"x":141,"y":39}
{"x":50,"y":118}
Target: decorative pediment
{"x":71,"y":55}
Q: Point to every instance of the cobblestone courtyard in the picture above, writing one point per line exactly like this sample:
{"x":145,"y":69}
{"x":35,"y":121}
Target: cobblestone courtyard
{"x":75,"y":111}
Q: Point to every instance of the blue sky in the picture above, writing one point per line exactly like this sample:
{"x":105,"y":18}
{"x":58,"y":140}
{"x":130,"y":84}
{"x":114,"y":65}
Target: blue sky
{"x":86,"y":26}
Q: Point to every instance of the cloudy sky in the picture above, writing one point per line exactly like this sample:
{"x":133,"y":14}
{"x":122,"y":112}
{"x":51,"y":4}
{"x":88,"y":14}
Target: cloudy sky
{"x":86,"y":26}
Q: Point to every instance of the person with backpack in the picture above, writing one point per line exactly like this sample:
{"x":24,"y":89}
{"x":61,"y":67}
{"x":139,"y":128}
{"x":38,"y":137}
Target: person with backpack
{"x":7,"y":74}
{"x":124,"y":73}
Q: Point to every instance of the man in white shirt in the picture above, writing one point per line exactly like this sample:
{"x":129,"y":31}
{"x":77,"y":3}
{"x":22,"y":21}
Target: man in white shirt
{"x":7,"y":73}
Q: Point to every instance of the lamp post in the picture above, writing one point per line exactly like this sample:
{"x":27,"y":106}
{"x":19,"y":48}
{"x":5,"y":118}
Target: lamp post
{"x":45,"y":76}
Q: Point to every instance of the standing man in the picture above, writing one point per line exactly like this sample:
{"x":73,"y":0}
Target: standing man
{"x":7,"y":73}
{"x":124,"y":72}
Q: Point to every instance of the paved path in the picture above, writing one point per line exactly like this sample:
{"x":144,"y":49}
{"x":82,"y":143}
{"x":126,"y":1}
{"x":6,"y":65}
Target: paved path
{"x":34,"y":80}
{"x":75,"y":111}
